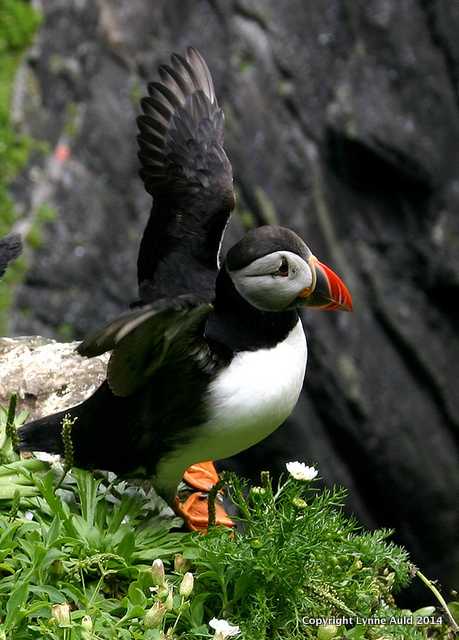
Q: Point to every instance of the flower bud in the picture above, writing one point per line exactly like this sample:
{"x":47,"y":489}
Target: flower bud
{"x":425,"y":612}
{"x":186,"y":586}
{"x":57,"y":568}
{"x":86,"y":628}
{"x":154,"y":616}
{"x":61,"y":613}
{"x":181,"y":564}
{"x":169,"y":602}
{"x":390,"y":578}
{"x":157,"y":572}
{"x":299,"y":503}
{"x":327,"y":632}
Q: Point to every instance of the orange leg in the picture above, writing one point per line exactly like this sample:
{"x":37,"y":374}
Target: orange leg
{"x":194,"y":509}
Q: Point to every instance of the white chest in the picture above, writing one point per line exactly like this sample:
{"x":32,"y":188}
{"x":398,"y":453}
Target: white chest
{"x":247,"y":401}
{"x":257,"y":392}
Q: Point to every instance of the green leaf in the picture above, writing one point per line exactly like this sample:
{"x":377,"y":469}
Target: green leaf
{"x":133,"y":611}
{"x":56,"y":505}
{"x":15,"y":603}
{"x":56,"y":595}
{"x":454,"y":608}
{"x":197,"y":609}
{"x":241,"y":587}
{"x":356,"y":633}
{"x":126,"y":546}
{"x":191,"y":552}
{"x":129,"y":505}
{"x":53,"y":531}
{"x":136,"y":596}
{"x":153,"y":634}
{"x":74,"y":593}
{"x":83,"y":530}
{"x":87,"y":490}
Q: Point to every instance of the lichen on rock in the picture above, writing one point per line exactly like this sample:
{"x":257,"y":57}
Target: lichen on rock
{"x":46,"y":375}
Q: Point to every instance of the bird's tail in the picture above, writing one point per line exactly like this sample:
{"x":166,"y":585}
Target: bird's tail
{"x":44,"y":434}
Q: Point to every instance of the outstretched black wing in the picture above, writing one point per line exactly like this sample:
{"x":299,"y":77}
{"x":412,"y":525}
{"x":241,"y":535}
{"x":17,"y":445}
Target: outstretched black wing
{"x":186,"y":170}
{"x":144,"y":340}
{"x":10,"y":248}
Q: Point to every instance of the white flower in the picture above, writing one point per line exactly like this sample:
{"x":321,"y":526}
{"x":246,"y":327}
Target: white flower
{"x":47,"y":457}
{"x":301,"y":471}
{"x":28,"y":515}
{"x":223,"y":629}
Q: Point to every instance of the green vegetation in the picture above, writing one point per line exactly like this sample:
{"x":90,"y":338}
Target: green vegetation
{"x":90,"y":556}
{"x":45,"y":213}
{"x":18,"y":24}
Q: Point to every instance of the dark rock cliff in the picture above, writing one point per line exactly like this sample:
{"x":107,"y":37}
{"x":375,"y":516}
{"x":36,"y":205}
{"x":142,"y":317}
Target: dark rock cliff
{"x":342,"y":123}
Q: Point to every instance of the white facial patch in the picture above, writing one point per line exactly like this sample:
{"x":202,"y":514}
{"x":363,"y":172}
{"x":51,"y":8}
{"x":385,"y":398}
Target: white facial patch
{"x":261,"y":284}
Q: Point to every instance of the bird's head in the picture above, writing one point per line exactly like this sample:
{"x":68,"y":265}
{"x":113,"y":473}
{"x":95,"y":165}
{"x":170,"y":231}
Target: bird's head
{"x":274,"y":270}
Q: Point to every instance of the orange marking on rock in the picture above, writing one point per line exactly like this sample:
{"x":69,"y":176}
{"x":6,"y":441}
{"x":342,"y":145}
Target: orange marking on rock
{"x":62,"y":152}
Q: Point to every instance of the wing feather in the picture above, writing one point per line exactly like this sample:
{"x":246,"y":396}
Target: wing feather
{"x":186,"y":170}
{"x":143,"y":340}
{"x":10,"y":248}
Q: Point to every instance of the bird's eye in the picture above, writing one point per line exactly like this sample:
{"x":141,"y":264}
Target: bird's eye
{"x":283,"y":269}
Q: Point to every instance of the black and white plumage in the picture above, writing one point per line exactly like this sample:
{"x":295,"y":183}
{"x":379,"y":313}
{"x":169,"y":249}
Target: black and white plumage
{"x":10,"y":248}
{"x":212,"y":364}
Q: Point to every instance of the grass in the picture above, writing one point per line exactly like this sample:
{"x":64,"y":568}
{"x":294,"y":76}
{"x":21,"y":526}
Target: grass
{"x":91,"y":556}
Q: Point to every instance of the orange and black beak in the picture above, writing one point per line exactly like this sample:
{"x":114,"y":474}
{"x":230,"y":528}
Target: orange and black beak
{"x":327,"y":292}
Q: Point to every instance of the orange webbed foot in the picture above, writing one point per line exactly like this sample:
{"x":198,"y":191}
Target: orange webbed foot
{"x":201,"y":476}
{"x":195,"y":508}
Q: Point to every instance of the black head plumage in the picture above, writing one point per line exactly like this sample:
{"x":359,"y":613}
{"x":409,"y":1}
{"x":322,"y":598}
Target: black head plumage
{"x":261,"y":241}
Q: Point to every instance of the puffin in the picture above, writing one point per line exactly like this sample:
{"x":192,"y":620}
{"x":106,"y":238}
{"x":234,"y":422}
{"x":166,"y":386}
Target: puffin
{"x":10,"y":249}
{"x":211,"y":359}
